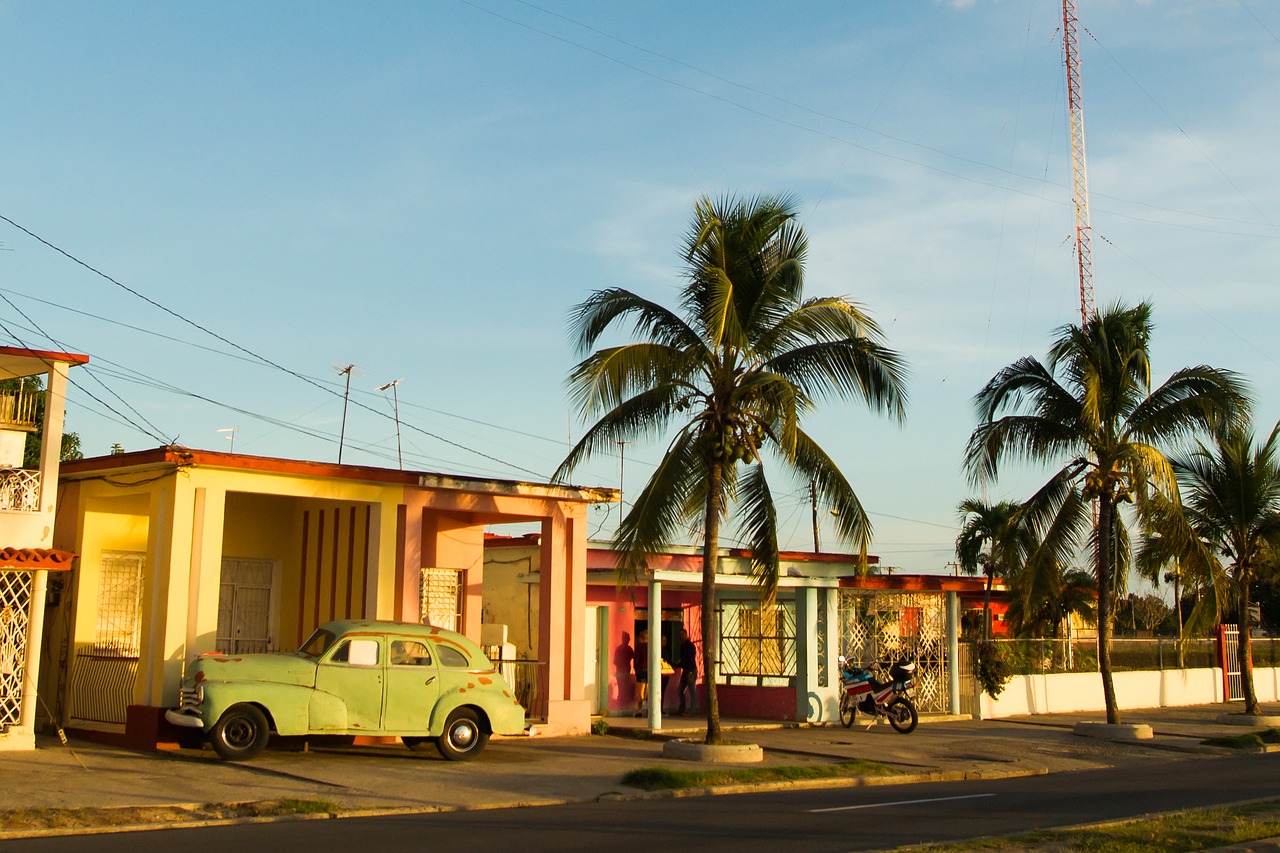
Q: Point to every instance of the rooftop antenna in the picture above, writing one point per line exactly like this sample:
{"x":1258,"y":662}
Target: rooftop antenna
{"x":232,"y":437}
{"x":346,"y":396}
{"x":396,"y":398}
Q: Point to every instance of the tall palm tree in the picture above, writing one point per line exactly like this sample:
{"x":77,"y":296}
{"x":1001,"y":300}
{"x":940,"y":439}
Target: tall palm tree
{"x":988,"y":542}
{"x":1091,"y":406}
{"x":733,"y":373}
{"x":1226,"y":527}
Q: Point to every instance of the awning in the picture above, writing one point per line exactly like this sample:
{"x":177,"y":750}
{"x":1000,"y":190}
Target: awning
{"x":27,"y":559}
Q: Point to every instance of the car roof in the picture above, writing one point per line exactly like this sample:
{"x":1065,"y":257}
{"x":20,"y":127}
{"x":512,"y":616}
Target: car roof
{"x":405,"y":629}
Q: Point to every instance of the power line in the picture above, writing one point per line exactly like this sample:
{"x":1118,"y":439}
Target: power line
{"x":248,"y":352}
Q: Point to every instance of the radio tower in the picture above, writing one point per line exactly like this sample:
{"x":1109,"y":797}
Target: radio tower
{"x":1079,"y":167}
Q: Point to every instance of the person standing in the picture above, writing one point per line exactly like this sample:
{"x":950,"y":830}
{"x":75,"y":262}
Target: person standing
{"x":688,"y":672}
{"x":641,"y":659}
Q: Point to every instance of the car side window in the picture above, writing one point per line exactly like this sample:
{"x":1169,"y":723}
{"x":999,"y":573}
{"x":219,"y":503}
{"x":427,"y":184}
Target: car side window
{"x":356,"y":653}
{"x":450,"y":656}
{"x":409,"y":653}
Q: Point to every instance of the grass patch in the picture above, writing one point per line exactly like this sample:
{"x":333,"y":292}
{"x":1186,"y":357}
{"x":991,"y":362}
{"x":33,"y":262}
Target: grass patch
{"x":1185,"y":831}
{"x":144,"y":815}
{"x":656,"y":778}
{"x":1251,"y":740}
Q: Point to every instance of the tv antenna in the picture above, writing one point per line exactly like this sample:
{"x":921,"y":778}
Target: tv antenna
{"x":345,"y":370}
{"x":396,"y":399}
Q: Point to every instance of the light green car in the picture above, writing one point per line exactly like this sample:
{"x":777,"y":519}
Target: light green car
{"x":397,"y":679}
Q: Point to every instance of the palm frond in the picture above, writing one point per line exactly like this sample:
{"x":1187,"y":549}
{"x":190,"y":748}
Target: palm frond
{"x":759,"y":523}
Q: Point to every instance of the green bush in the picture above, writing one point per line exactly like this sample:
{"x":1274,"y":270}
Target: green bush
{"x":992,"y":670}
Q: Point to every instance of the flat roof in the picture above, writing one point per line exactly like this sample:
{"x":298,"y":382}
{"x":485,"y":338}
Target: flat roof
{"x":175,"y":456}
{"x":16,"y":362}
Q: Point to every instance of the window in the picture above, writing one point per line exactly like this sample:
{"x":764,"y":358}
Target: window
{"x":441,"y":595}
{"x":356,"y":653}
{"x":409,"y":653}
{"x":758,"y":642}
{"x":118,"y":631}
{"x":450,"y":656}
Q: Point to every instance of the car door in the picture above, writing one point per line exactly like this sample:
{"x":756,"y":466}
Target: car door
{"x":349,"y":687}
{"x":413,"y":686}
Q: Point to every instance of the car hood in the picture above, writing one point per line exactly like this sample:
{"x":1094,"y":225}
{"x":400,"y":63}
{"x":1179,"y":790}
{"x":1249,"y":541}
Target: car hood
{"x":275,"y":667}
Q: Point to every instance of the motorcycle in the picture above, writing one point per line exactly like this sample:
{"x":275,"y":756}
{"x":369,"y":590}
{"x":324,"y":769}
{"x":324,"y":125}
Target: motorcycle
{"x":862,"y":691}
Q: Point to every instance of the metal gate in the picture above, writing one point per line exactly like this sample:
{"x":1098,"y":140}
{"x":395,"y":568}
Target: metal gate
{"x":1229,"y":658}
{"x":884,"y":624}
{"x":15,"y":601}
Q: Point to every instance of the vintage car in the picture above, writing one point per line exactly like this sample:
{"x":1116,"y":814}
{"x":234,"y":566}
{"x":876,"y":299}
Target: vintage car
{"x":411,"y":681}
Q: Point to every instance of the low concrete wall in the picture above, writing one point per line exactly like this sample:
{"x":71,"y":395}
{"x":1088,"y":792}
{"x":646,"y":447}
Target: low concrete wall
{"x":1082,"y":691}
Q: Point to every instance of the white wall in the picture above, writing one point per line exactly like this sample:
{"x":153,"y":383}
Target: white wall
{"x":1082,"y":691}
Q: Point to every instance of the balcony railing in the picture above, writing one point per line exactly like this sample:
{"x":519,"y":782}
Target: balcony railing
{"x":19,"y":490}
{"x":18,"y":409}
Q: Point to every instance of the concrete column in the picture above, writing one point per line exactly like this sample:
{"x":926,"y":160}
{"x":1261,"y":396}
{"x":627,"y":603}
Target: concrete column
{"x":655,"y":654}
{"x":953,"y":652}
{"x":809,"y":704}
{"x":562,"y":594}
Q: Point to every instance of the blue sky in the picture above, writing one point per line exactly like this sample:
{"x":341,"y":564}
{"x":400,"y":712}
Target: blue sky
{"x":424,"y":189}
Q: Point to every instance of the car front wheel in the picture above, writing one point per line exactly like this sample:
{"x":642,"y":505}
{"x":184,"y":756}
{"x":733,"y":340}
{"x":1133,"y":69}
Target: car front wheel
{"x":241,"y":733}
{"x":464,"y":738}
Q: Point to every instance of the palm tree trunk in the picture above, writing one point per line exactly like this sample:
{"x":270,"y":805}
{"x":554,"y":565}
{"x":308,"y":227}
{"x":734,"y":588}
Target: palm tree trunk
{"x":1104,"y":569}
{"x":1246,"y":647}
{"x":710,"y":560}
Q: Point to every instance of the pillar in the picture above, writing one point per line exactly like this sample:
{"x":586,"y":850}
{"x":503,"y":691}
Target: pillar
{"x":655,"y":654}
{"x":953,"y":652}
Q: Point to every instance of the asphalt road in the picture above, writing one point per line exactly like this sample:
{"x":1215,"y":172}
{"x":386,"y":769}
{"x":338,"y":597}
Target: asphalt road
{"x":820,"y":820}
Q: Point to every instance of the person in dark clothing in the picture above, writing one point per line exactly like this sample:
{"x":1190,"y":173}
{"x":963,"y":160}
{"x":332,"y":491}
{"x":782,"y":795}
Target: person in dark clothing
{"x":688,"y":673}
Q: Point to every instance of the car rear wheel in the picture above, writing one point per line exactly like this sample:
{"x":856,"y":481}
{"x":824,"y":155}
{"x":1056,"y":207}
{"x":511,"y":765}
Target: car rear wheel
{"x":241,"y":733}
{"x":464,"y":738}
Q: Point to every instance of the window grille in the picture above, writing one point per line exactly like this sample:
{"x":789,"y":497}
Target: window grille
{"x":758,"y":641}
{"x":441,"y":597}
{"x":15,"y":599}
{"x":118,"y":632}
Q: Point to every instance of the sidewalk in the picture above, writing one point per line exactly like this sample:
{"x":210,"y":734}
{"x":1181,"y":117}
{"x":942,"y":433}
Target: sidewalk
{"x":537,"y":770}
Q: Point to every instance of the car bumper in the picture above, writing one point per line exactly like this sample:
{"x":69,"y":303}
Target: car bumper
{"x":178,"y":718}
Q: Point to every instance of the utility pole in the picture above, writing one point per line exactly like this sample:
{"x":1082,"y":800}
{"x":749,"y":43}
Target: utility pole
{"x":346,"y":395}
{"x":813,"y":504}
{"x":622,"y":470}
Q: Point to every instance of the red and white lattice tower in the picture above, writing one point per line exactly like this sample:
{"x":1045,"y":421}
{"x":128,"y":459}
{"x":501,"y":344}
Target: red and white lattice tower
{"x":1079,"y":167}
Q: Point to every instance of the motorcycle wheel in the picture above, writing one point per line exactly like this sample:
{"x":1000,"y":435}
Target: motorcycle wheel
{"x":846,"y":711}
{"x":902,"y":715}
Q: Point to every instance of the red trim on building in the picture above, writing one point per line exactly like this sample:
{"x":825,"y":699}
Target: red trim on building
{"x":26,"y":559}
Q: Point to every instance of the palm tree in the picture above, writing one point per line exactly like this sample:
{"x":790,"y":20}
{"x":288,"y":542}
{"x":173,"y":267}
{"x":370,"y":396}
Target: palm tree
{"x":733,"y":373}
{"x":988,"y":542}
{"x":1043,"y":602}
{"x":1226,"y":528}
{"x":1091,"y":405}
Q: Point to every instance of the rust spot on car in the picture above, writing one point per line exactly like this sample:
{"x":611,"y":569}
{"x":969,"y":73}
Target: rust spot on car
{"x":485,"y":680}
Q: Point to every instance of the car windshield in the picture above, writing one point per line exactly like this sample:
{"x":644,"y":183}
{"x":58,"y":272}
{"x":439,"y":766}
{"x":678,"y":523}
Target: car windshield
{"x":317,"y":644}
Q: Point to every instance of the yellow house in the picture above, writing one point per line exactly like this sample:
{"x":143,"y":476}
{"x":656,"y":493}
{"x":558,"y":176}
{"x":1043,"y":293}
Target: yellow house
{"x":28,"y":507}
{"x":186,"y":550}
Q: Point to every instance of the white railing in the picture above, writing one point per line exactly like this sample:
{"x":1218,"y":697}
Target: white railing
{"x":19,"y":490}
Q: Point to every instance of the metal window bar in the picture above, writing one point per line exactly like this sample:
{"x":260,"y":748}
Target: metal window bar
{"x":15,"y":601}
{"x":757,"y":641}
{"x":118,"y":631}
{"x":19,"y":490}
{"x":441,"y":598}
